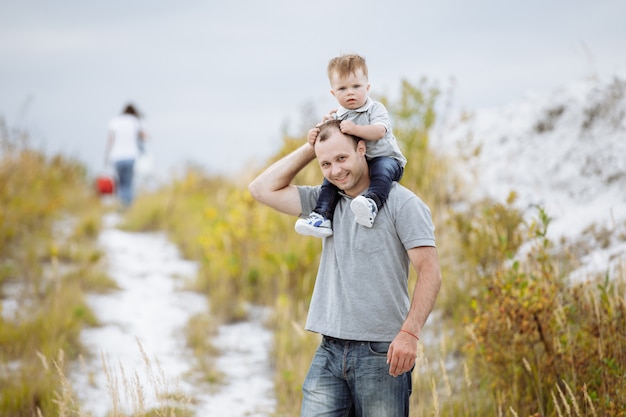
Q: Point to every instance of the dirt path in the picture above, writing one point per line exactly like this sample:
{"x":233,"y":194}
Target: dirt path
{"x":148,"y":314}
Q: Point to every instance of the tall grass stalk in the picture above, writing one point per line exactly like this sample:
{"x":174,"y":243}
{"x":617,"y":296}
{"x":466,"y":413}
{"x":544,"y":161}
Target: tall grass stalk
{"x":133,"y":395}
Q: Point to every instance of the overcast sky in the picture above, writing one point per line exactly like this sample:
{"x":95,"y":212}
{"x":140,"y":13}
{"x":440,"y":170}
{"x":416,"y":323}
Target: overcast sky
{"x":219,"y":81}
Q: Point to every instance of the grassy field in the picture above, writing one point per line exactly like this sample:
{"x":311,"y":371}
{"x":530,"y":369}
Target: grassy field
{"x":510,"y":336}
{"x":49,"y":220}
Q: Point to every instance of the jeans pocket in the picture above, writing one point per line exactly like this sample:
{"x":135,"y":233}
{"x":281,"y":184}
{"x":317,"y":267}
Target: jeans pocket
{"x":379,"y":348}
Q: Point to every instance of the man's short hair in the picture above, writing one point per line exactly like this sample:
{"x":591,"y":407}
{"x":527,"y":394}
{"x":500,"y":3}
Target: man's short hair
{"x":327,"y":128}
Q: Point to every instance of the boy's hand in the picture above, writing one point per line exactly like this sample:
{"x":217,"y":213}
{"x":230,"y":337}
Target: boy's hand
{"x":329,"y":116}
{"x":348,"y":127}
{"x":312,"y":136}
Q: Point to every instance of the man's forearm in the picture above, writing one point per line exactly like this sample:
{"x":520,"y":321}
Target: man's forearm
{"x":271,"y":186}
{"x":425,"y":291}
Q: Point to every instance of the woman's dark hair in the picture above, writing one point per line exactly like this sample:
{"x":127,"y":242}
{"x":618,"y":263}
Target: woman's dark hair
{"x":130,"y":109}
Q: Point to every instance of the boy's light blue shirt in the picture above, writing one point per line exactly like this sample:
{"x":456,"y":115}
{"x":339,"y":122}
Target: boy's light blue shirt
{"x":374,"y":113}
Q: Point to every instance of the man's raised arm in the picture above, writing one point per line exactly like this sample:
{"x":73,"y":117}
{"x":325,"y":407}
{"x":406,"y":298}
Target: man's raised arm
{"x":273,"y":186}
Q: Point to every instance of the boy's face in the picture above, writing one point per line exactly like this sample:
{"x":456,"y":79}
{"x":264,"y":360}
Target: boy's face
{"x":351,"y":91}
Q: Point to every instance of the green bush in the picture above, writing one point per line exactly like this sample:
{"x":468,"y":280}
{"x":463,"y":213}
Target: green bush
{"x":547,"y":343}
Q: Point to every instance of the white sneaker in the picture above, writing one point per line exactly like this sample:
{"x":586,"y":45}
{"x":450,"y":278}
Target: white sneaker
{"x":365,"y":210}
{"x":315,"y":225}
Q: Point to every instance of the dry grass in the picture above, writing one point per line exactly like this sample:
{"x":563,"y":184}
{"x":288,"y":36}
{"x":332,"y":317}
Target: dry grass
{"x":249,"y":253}
{"x":509,"y":337}
{"x":129,"y":395}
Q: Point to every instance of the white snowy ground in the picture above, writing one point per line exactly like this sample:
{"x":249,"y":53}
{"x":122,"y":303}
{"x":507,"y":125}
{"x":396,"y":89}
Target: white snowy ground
{"x":563,"y":150}
{"x":151,"y":309}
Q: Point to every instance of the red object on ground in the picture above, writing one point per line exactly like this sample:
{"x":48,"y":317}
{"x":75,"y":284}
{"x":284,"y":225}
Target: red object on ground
{"x":105,"y":184}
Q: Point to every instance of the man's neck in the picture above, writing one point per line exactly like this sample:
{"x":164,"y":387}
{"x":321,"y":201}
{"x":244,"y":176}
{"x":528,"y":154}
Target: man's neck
{"x":356,"y":191}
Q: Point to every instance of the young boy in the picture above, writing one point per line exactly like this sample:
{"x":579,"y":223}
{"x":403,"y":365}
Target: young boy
{"x":367,"y":119}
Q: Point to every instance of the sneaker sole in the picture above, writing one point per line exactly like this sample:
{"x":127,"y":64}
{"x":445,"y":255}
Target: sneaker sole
{"x":308,"y":230}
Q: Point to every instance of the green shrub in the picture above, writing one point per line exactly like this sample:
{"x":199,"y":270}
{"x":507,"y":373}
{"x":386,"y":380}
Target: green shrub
{"x":538,"y":336}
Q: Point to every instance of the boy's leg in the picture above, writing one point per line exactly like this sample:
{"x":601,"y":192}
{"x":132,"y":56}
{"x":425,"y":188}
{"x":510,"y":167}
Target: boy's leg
{"x":383,"y":172}
{"x":319,"y":222}
{"x":327,"y":200}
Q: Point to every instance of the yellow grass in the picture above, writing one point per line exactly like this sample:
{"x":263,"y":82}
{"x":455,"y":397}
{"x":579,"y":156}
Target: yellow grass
{"x":510,"y":335}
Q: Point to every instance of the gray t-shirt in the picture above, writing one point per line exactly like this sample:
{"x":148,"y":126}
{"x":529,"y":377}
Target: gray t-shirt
{"x":361,"y":289}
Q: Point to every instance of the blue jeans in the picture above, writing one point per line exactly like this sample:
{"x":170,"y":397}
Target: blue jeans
{"x":125,"y":172}
{"x":383,"y":171}
{"x":351,"y":379}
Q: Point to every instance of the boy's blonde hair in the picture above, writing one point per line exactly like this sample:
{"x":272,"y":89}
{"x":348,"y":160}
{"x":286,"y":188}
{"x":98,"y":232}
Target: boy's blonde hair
{"x":347,"y":64}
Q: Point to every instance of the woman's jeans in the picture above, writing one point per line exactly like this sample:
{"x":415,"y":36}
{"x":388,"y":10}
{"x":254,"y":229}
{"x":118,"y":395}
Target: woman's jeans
{"x":125,"y":172}
{"x":351,"y":379}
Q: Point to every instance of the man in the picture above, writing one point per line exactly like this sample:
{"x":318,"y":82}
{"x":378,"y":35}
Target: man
{"x":360,"y":302}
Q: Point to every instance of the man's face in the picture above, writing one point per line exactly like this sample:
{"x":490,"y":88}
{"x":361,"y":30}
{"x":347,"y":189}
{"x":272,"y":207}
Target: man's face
{"x":351,"y":91}
{"x":342,"y":164}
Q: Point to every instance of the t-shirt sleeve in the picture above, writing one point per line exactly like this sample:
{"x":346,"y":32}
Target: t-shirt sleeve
{"x":414,"y":224}
{"x":308,"y":198}
{"x":379,"y":115}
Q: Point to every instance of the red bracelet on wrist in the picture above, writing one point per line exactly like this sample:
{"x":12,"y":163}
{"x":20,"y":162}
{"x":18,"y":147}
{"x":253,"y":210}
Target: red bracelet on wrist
{"x":408,"y":332}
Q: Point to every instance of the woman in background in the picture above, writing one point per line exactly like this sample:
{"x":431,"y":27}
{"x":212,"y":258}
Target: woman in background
{"x":125,"y":144}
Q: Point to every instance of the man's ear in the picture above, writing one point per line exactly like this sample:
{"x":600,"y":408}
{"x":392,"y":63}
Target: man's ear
{"x":361,"y":147}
